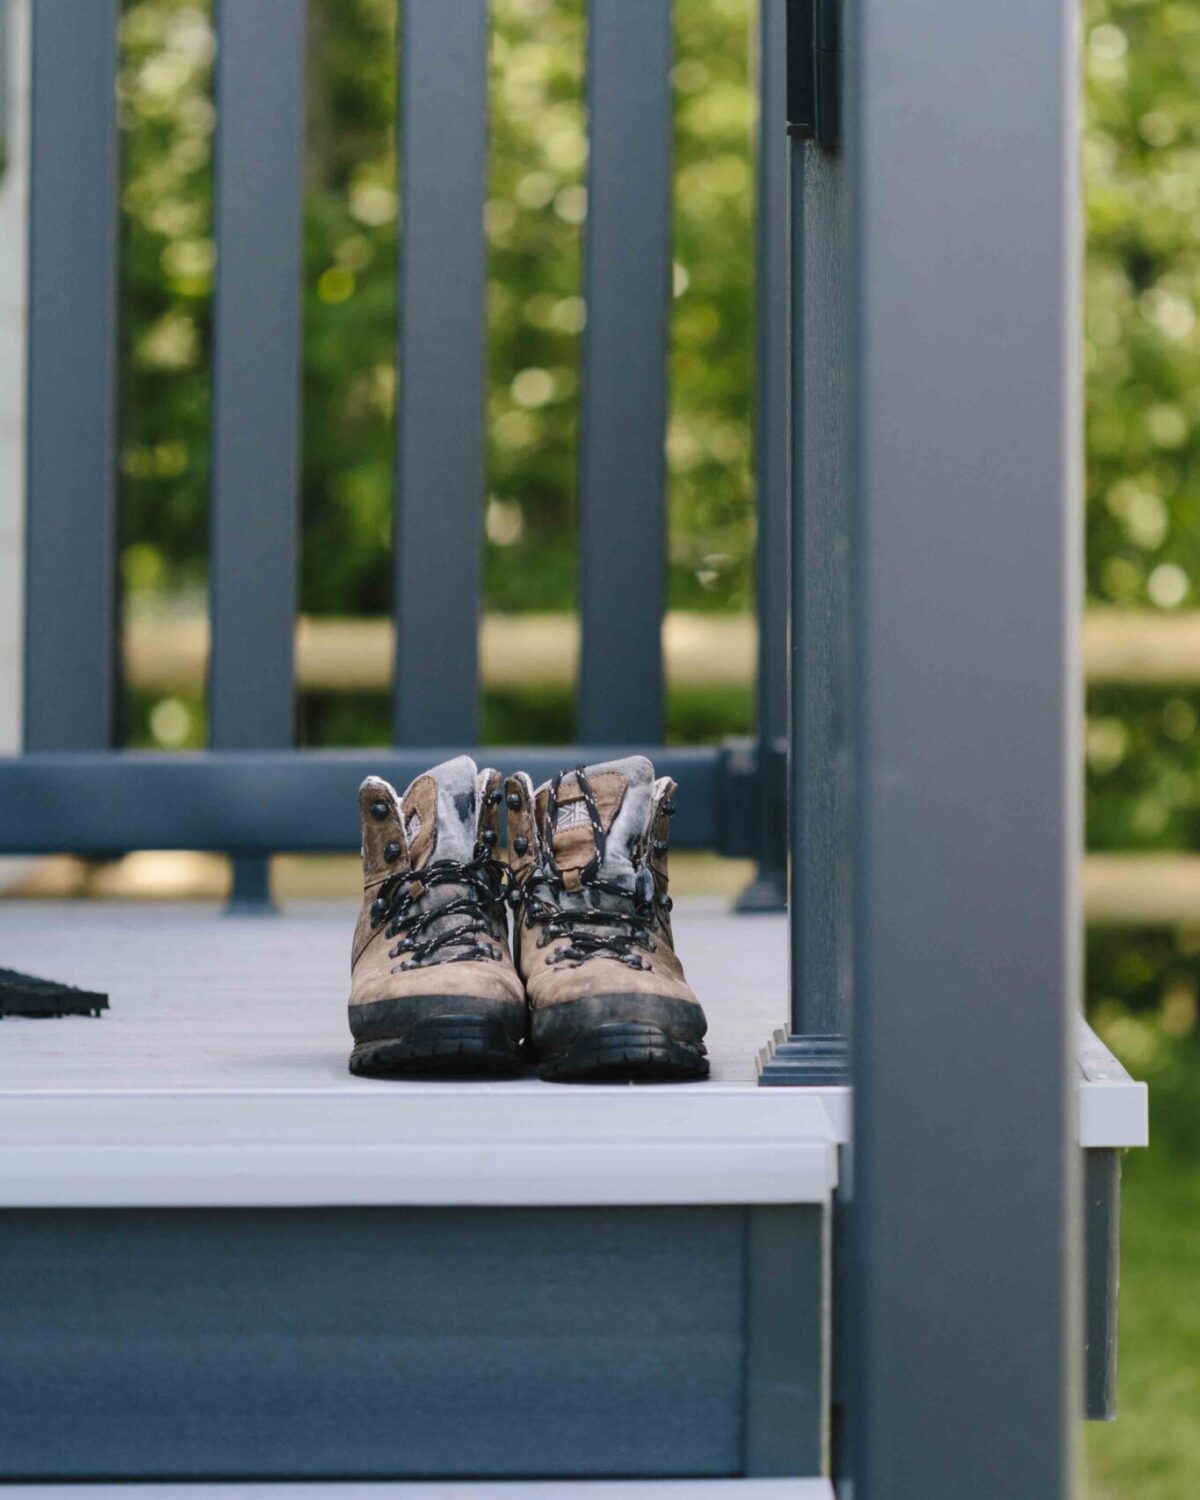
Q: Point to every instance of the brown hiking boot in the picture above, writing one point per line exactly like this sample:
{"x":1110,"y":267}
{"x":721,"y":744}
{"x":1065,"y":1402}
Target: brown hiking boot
{"x":433,"y":988}
{"x":607,"y":996}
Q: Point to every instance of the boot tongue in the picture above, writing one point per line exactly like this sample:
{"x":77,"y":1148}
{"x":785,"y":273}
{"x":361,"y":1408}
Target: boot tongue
{"x":623,"y":791}
{"x":440,"y":813}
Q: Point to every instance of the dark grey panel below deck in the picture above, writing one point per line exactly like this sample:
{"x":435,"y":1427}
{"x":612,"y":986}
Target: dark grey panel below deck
{"x":787,"y":1340}
{"x":1102,"y":1281}
{"x":371,"y":1342}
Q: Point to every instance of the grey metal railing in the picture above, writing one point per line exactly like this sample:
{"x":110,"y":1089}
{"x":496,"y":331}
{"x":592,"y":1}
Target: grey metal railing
{"x":232,"y":796}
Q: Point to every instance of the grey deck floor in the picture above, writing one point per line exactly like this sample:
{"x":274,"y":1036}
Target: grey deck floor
{"x":201,"y":1000}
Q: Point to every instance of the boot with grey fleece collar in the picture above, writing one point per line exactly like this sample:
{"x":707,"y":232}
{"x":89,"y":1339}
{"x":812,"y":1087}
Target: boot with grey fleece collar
{"x":433,"y":987}
{"x":588,"y":857}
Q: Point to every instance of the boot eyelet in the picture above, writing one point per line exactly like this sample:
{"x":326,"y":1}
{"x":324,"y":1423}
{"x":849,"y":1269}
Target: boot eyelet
{"x":660,"y":846}
{"x":521,"y":846}
{"x":488,"y":837}
{"x":669,"y":807}
{"x":513,"y":801}
{"x":379,"y":811}
{"x":494,"y":798}
{"x":392,"y":852}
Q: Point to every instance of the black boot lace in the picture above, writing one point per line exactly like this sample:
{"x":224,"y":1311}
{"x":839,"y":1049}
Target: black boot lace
{"x":627,"y":919}
{"x":424,"y":932}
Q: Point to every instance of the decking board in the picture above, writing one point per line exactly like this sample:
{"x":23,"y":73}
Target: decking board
{"x":204,"y":1000}
{"x":219,"y":1079}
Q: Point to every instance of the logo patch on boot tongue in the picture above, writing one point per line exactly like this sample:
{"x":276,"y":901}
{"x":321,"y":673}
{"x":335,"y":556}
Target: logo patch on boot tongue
{"x":413,"y":825}
{"x":572,"y":815}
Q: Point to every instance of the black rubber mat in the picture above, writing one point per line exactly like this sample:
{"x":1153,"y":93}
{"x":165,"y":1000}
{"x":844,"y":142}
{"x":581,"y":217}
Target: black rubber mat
{"x":23,"y":995}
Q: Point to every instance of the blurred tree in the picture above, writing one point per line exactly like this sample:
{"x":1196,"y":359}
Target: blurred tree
{"x":1142,"y":174}
{"x":166,"y":116}
{"x":1141,"y":157}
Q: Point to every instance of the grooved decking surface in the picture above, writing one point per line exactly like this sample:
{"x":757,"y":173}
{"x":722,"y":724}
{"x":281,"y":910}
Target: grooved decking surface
{"x":201,"y":1000}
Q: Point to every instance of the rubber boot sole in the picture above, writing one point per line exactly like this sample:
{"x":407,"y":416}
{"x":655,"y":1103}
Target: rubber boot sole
{"x":626,"y":1052}
{"x":633,"y":1038}
{"x":445,"y":1046}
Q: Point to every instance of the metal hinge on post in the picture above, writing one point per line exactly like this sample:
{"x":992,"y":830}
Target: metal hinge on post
{"x":814,"y":44}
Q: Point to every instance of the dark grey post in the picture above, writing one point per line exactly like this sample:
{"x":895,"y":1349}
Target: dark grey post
{"x":627,"y":266}
{"x":813,"y":1050}
{"x":440,"y":408}
{"x":966,"y":438}
{"x":768,"y":890}
{"x":1102,"y":1280}
{"x":256,"y":383}
{"x":70,"y":600}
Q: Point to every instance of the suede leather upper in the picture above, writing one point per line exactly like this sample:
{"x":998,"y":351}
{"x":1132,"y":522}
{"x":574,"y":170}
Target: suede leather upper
{"x":444,"y":814}
{"x":634,"y":814}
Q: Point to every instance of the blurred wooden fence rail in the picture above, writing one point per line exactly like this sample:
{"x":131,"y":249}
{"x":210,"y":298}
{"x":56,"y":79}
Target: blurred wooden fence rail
{"x":347,"y":654}
{"x":1142,"y":647}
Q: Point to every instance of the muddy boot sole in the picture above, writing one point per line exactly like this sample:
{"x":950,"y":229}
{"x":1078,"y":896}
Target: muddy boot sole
{"x":443,"y":1046}
{"x":631,"y":1037}
{"x":626,"y":1052}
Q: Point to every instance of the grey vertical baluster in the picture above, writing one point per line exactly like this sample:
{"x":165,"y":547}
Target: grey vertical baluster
{"x":814,"y":1051}
{"x":966,"y":286}
{"x":627,"y":267}
{"x":440,"y":409}
{"x":768,"y":890}
{"x":256,"y":383}
{"x":70,"y":601}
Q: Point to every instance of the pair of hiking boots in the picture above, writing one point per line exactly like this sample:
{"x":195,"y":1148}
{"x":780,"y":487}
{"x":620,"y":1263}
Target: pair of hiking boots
{"x":595,"y":993}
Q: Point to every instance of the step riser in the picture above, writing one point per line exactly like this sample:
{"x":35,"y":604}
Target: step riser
{"x":394,"y":1342}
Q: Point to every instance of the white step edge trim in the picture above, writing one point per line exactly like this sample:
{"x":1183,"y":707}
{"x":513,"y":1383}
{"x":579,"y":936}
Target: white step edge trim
{"x":433,"y":1146}
{"x":479,"y":1145}
{"x":554,"y":1489}
{"x":1114,"y":1109}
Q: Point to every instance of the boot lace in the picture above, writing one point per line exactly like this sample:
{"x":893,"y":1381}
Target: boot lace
{"x":479,"y":909}
{"x":627,"y":920}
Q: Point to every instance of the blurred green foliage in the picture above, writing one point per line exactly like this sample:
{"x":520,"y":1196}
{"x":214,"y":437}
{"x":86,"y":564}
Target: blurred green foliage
{"x":1141,"y":160}
{"x":1142,"y":173}
{"x":167,"y":118}
{"x":1152,"y":1450}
